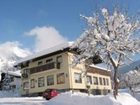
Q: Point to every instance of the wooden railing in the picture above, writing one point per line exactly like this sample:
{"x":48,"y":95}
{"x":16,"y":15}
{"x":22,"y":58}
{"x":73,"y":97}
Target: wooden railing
{"x":48,"y":66}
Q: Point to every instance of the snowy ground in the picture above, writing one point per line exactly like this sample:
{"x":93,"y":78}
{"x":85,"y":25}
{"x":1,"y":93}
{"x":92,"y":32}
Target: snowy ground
{"x":83,"y":99}
{"x":69,"y":98}
{"x":23,"y":101}
{"x":136,"y":94}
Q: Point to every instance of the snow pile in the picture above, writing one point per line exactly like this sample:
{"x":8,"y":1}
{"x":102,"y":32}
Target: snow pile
{"x":83,"y":99}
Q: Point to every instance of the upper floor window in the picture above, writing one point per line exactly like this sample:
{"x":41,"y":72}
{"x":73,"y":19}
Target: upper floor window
{"x":89,"y":80}
{"x":49,"y":60}
{"x":41,"y":82}
{"x":23,"y":65}
{"x":77,"y":77}
{"x":40,"y":63}
{"x":60,"y":78}
{"x":59,"y":61}
{"x":49,"y":64}
{"x":95,"y":80}
{"x":25,"y":73}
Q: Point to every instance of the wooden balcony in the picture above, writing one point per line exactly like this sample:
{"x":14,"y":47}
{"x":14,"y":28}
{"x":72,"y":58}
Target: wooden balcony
{"x":45,"y":67}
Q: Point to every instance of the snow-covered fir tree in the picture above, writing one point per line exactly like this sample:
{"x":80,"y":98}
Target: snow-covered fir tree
{"x":111,"y":36}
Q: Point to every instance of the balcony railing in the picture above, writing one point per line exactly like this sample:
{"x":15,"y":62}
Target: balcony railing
{"x":45,"y":67}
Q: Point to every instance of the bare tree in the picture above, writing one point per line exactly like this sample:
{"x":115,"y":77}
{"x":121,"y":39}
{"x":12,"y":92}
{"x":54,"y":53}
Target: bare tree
{"x":111,"y":36}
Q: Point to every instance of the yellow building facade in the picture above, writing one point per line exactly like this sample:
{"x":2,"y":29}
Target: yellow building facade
{"x":55,"y":70}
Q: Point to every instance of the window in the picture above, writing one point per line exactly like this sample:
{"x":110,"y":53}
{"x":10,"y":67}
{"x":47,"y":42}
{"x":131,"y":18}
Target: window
{"x":41,"y":82}
{"x":104,"y":81}
{"x":50,"y":80}
{"x":95,"y":80}
{"x":49,"y":64}
{"x":32,"y":83}
{"x":49,"y":60}
{"x":11,"y":78}
{"x":25,"y":73}
{"x":40,"y":63}
{"x":25,"y":85}
{"x":13,"y":86}
{"x":101,"y":82}
{"x":77,"y":77}
{"x":23,"y":65}
{"x":60,"y":78}
{"x":107,"y":81}
{"x":89,"y":80}
{"x":59,"y":62}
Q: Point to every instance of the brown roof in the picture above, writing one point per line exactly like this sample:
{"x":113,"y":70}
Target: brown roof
{"x":98,"y":71}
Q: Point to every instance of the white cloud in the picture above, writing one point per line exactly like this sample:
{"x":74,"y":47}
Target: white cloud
{"x":10,"y":49}
{"x":46,"y":37}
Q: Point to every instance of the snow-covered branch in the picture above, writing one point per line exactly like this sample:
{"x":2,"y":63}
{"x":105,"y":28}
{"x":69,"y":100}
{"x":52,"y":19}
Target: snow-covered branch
{"x":111,"y":36}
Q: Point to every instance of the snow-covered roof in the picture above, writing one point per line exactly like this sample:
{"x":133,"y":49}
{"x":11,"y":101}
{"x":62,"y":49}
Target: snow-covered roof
{"x":100,"y":66}
{"x":45,"y":52}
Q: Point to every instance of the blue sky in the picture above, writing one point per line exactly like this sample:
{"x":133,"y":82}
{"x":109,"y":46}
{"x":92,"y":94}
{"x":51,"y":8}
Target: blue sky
{"x":20,"y":16}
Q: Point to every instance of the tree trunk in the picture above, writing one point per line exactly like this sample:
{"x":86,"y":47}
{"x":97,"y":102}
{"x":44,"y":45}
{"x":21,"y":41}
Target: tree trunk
{"x":116,"y":83}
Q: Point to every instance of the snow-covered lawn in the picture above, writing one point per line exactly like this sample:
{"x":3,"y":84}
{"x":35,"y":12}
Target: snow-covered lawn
{"x":70,"y":98}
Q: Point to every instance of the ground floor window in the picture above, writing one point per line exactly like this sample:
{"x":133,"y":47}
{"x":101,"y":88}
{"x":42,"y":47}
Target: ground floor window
{"x":95,"y":80}
{"x":77,"y":77}
{"x":89,"y":80}
{"x":60,"y":78}
{"x":25,"y":85}
{"x":41,"y":82}
{"x":107,"y":81}
{"x":50,"y":80}
{"x":104,"y":81}
{"x":101,"y":82}
{"x":32,"y":83}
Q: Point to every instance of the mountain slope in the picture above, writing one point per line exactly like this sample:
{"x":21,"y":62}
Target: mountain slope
{"x":10,"y":52}
{"x":129,"y":67}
